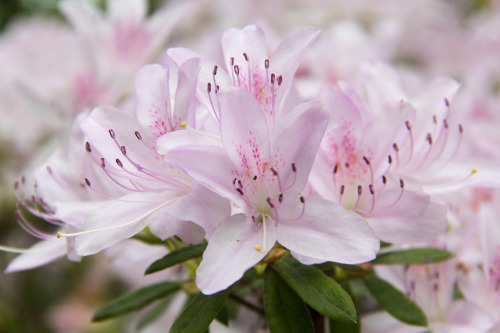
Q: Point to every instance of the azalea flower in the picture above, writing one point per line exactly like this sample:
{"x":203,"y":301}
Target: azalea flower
{"x":262,"y":170}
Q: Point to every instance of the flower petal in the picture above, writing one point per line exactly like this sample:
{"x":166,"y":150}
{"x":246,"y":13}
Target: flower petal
{"x":328,"y":232}
{"x":39,"y":254}
{"x":231,"y":251}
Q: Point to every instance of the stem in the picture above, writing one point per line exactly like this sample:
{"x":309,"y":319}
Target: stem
{"x":247,"y":304}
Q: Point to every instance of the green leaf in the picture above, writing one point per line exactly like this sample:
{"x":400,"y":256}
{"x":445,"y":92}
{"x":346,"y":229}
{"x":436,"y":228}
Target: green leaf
{"x":343,"y":327}
{"x":136,"y":300}
{"x":318,"y":290}
{"x":176,"y":257}
{"x":285,"y":310}
{"x":398,"y":304}
{"x":155,"y":313}
{"x":199,"y":313}
{"x":423,"y":255}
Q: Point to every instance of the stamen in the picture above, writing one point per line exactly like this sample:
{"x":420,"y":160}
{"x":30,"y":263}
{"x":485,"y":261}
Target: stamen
{"x":266,"y":65}
{"x":275,"y":173}
{"x":370,"y":166}
{"x":396,"y":149}
{"x":276,"y":216}
{"x":249,"y":74}
{"x":342,"y":188}
{"x":208,"y":135}
{"x":294,"y":170}
{"x":402,"y":186}
{"x":60,"y":234}
{"x":237,"y":71}
{"x":17,"y":250}
{"x":408,"y":126}
{"x":360,"y":192}
{"x":209,"y":89}
{"x":231,"y":61}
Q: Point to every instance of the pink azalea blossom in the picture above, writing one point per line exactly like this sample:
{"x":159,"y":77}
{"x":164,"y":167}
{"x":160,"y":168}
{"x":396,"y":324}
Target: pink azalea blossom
{"x":263,"y":169}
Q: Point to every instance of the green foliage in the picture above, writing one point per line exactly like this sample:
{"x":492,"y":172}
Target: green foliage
{"x":285,"y":310}
{"x":318,"y":290}
{"x":398,"y":304}
{"x":199,"y":313}
{"x":136,"y":300}
{"x":176,"y":257}
{"x":423,"y":255}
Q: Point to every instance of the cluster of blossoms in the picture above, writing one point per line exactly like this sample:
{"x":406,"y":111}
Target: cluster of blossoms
{"x":259,"y":157}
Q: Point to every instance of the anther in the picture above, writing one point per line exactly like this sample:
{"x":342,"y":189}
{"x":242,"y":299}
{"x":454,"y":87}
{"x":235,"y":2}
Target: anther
{"x":280,"y":80}
{"x":49,"y":169}
{"x":280,"y":197}
{"x":429,"y":138}
{"x":390,"y":159}
{"x":245,"y":55}
{"x":346,"y":165}
{"x":266,"y":63}
{"x":138,"y":135}
{"x":269,"y":202}
{"x":232,"y":61}
{"x":401,"y":183}
{"x":183,"y":124}
{"x":236,"y":69}
{"x":16,"y":185}
{"x":342,"y":188}
{"x":254,"y":177}
{"x":301,"y":198}
{"x":87,"y":181}
{"x":273,"y":77}
{"x":87,"y":147}
{"x":103,"y":164}
{"x":366,"y":160}
{"x":112,"y":133}
{"x":460,"y":128}
{"x":120,"y":164}
{"x":446,"y":102}
{"x":372,"y":191}
{"x":275,"y":173}
{"x":360,"y":190}
{"x":209,"y":87}
{"x":434,"y":119}
{"x":257,"y":247}
{"x":395,"y":146}
{"x":294,"y":168}
{"x":124,"y":150}
{"x":335,"y":169}
{"x":215,"y":69}
{"x":384,"y":180}
{"x":408,"y":125}
{"x":239,"y":191}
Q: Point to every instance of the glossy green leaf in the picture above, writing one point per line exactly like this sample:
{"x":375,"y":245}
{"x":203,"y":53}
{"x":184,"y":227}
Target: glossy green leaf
{"x":343,"y":327}
{"x":398,"y":304}
{"x":285,"y":310}
{"x":176,"y":257}
{"x":136,"y":300}
{"x":422,"y":255}
{"x":199,"y":313}
{"x":318,"y":290}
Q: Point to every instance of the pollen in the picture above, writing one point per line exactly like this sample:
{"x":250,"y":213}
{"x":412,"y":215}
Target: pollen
{"x":474,"y":171}
{"x":183,"y":124}
{"x":257,"y":247}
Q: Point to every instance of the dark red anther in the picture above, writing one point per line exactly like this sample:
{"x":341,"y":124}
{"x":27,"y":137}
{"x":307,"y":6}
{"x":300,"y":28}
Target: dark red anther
{"x":274,"y":172}
{"x":273,"y":77}
{"x":16,"y":185}
{"x":445,"y":123}
{"x":280,"y":197}
{"x":124,"y":150}
{"x":446,"y":102}
{"x":460,"y":128}
{"x":269,"y":202}
{"x":366,"y":160}
{"x":138,"y":135}
{"x":301,"y":198}
{"x":240,"y":184}
{"x":280,"y":80}
{"x":395,"y":146}
{"x":429,"y":138}
{"x":434,"y":119}
{"x":254,"y":177}
{"x":342,"y":188}
{"x":239,"y":191}
{"x":236,"y":69}
{"x":209,"y":87}
{"x":408,"y":125}
{"x":372,"y":191}
{"x":120,"y":164}
{"x":103,"y":163}
{"x":87,"y":147}
{"x":346,"y":165}
{"x":266,"y":63}
{"x":234,"y":181}
{"x":294,"y":168}
{"x":87,"y":181}
{"x":215,"y":70}
{"x":384,"y":180}
{"x":112,"y":133}
{"x":335,"y":169}
{"x":231,"y":61}
{"x":401,"y":183}
{"x":360,"y":190}
{"x":49,"y":169}
{"x":390,"y":159}
{"x":245,"y":55}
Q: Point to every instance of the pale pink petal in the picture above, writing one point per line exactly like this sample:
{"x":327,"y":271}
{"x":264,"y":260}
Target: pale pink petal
{"x":469,"y":317}
{"x":244,"y":130}
{"x":184,"y":105}
{"x":127,"y":10}
{"x":296,"y":138}
{"x":125,"y":218}
{"x":39,"y":254}
{"x":153,"y":104}
{"x":382,"y":321}
{"x":208,"y":165}
{"x":84,"y":17}
{"x":180,"y":138}
{"x":167,"y":227}
{"x":329,"y":232}
{"x":413,"y":219}
{"x":231,"y":251}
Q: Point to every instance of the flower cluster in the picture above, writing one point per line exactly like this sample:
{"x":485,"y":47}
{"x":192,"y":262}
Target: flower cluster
{"x":263,"y":166}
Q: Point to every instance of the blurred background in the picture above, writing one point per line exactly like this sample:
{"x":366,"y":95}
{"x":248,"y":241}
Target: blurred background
{"x":458,"y":38}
